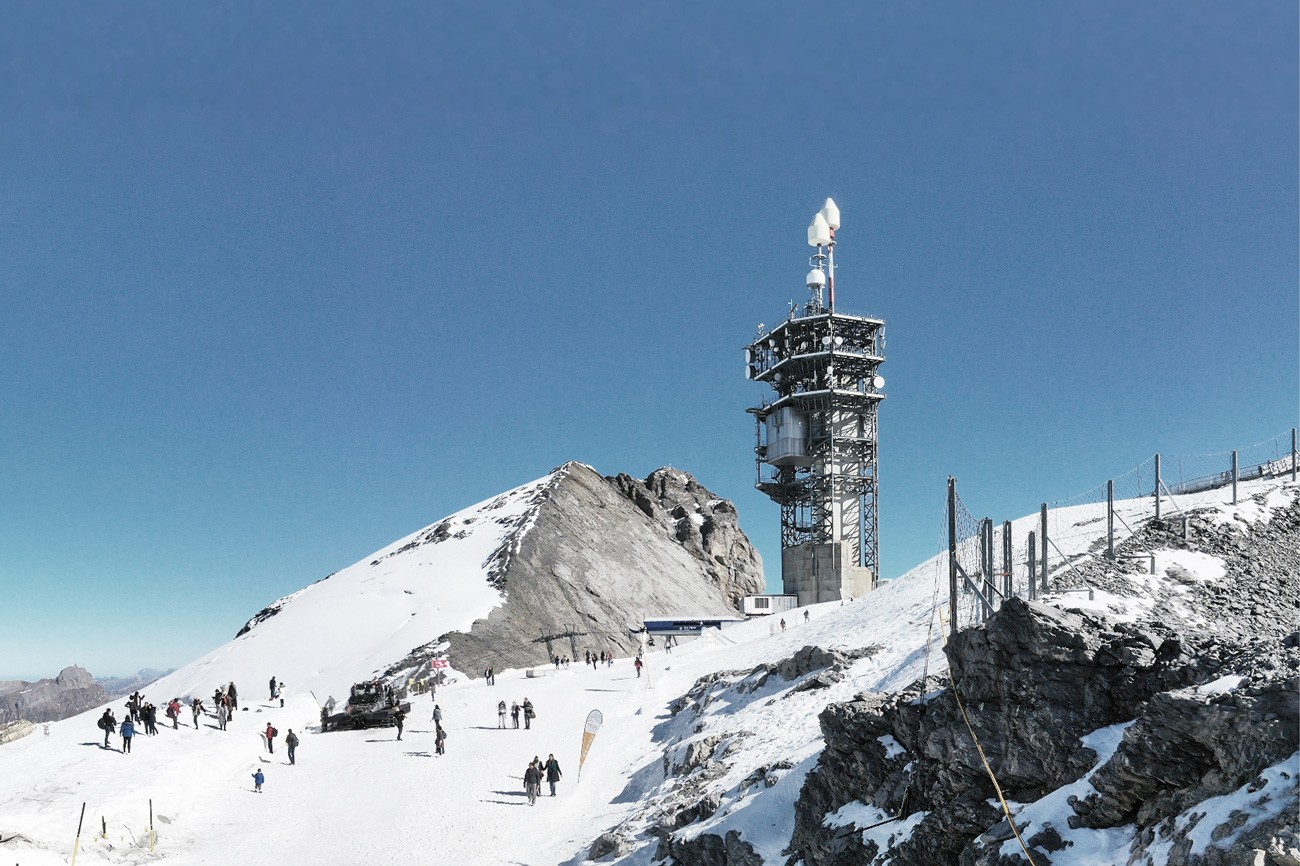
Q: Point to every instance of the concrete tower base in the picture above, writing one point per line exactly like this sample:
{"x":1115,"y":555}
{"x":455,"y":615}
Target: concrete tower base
{"x":824,"y":572}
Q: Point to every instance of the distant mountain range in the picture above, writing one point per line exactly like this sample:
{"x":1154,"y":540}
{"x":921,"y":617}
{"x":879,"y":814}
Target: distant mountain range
{"x":72,"y":691}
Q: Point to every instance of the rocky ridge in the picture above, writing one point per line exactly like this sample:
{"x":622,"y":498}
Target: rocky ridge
{"x":72,"y":691}
{"x":591,"y":559}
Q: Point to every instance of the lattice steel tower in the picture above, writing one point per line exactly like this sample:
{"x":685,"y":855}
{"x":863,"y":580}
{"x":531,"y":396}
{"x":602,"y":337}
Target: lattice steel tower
{"x":817,"y":436}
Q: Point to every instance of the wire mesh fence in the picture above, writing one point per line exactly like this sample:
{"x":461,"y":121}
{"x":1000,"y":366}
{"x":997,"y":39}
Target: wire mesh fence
{"x":1044,"y":549}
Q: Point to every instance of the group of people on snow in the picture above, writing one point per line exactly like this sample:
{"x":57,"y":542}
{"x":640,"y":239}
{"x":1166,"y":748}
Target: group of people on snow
{"x":537,"y":769}
{"x":526,"y":709}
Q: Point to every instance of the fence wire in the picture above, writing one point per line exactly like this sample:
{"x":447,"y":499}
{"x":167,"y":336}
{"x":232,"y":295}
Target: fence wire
{"x":1077,"y":525}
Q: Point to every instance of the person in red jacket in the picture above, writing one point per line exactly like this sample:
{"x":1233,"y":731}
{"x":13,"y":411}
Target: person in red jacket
{"x":270,"y":734}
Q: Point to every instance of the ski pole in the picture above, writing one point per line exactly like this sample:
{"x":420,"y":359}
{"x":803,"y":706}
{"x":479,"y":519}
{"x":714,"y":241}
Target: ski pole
{"x":76,"y":845}
{"x":153,"y":837}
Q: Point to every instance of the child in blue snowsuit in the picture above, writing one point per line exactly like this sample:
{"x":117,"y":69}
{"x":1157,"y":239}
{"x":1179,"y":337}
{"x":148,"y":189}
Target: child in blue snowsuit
{"x":258,"y":779}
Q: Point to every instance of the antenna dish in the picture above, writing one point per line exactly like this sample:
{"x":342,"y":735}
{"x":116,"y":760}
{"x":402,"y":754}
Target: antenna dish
{"x":878,"y":382}
{"x":819,"y":232}
{"x":831,"y":213}
{"x":816,"y":278}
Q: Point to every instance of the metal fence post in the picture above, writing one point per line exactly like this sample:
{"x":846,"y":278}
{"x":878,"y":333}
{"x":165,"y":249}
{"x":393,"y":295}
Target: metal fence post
{"x":952,"y":555}
{"x":1044,"y":542}
{"x":1032,"y":566}
{"x":1006,"y":560}
{"x":986,"y":571}
{"x":1234,"y":476}
{"x":1157,"y":487}
{"x":1110,"y":519}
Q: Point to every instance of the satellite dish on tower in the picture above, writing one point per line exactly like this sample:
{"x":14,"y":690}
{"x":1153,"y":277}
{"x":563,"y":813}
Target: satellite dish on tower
{"x":819,"y":232}
{"x":878,"y":382}
{"x":831,"y":213}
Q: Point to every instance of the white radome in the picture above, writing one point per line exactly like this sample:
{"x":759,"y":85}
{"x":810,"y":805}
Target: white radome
{"x":831,"y":213}
{"x":816,"y":278}
{"x":819,"y":232}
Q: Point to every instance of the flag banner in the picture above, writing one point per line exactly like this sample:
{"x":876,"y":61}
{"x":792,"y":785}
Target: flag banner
{"x":589,"y":731}
{"x":438,"y":663}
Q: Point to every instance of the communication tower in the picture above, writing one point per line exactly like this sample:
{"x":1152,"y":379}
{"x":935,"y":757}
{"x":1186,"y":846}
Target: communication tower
{"x":817,"y":435}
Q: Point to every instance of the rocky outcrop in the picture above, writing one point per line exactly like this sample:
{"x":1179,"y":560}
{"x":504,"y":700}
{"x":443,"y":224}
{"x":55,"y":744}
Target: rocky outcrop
{"x":704,"y":525}
{"x":1035,"y":682}
{"x":73,"y":691}
{"x":1188,"y":718}
{"x":598,"y":555}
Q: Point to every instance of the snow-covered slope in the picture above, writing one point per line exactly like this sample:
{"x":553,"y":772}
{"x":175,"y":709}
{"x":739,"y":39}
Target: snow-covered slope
{"x":740,"y":700}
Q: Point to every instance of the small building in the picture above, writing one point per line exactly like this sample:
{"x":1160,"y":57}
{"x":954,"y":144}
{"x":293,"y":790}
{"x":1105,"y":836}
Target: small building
{"x":686,"y":626}
{"x":764,"y":605}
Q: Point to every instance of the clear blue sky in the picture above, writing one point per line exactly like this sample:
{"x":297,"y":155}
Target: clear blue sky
{"x":283,"y":282}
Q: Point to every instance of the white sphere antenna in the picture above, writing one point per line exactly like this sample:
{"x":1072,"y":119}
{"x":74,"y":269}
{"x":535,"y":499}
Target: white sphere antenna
{"x":831,"y":213}
{"x":816,"y":278}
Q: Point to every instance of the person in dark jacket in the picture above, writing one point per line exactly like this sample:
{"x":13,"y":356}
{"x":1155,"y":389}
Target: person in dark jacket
{"x":399,"y":717}
{"x":128,"y":731}
{"x":108,"y":725}
{"x":514,"y":714}
{"x":439,"y":740}
{"x":532,"y":782}
{"x":553,"y":773}
{"x":291,"y":742}
{"x":528,"y":714}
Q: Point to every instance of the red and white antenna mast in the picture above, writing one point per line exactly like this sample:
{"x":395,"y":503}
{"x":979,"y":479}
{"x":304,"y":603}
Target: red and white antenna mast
{"x":821,"y":234}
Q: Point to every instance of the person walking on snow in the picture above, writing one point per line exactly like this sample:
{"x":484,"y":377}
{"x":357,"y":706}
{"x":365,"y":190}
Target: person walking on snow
{"x":805,"y":616}
{"x":274,"y":694}
{"x":437,"y":714}
{"x":108,"y":725}
{"x":553,"y":773}
{"x":532,"y":782}
{"x":222,"y":715}
{"x":514,"y":714}
{"x":782,"y":623}
{"x":399,"y":717}
{"x":638,"y":667}
{"x":258,"y":779}
{"x":270,"y":734}
{"x":128,"y":731}
{"x":291,"y":742}
{"x":489,"y":677}
{"x":501,"y":715}
{"x":439,"y":740}
{"x":234,"y":696}
{"x":174,"y":713}
{"x":528,"y":714}
{"x":197,"y":709}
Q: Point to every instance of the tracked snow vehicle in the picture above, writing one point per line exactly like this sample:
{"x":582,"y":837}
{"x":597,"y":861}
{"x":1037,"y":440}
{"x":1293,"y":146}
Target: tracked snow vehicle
{"x":371,"y":704}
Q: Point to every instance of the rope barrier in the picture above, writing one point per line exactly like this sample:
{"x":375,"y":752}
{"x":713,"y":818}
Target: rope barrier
{"x":1006,"y":809}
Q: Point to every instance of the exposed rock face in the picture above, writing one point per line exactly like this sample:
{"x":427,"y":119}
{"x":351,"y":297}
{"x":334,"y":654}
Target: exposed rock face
{"x":73,"y":691}
{"x":703,"y":524}
{"x":597,"y":556}
{"x":1035,"y":680}
{"x":1200,"y":700}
